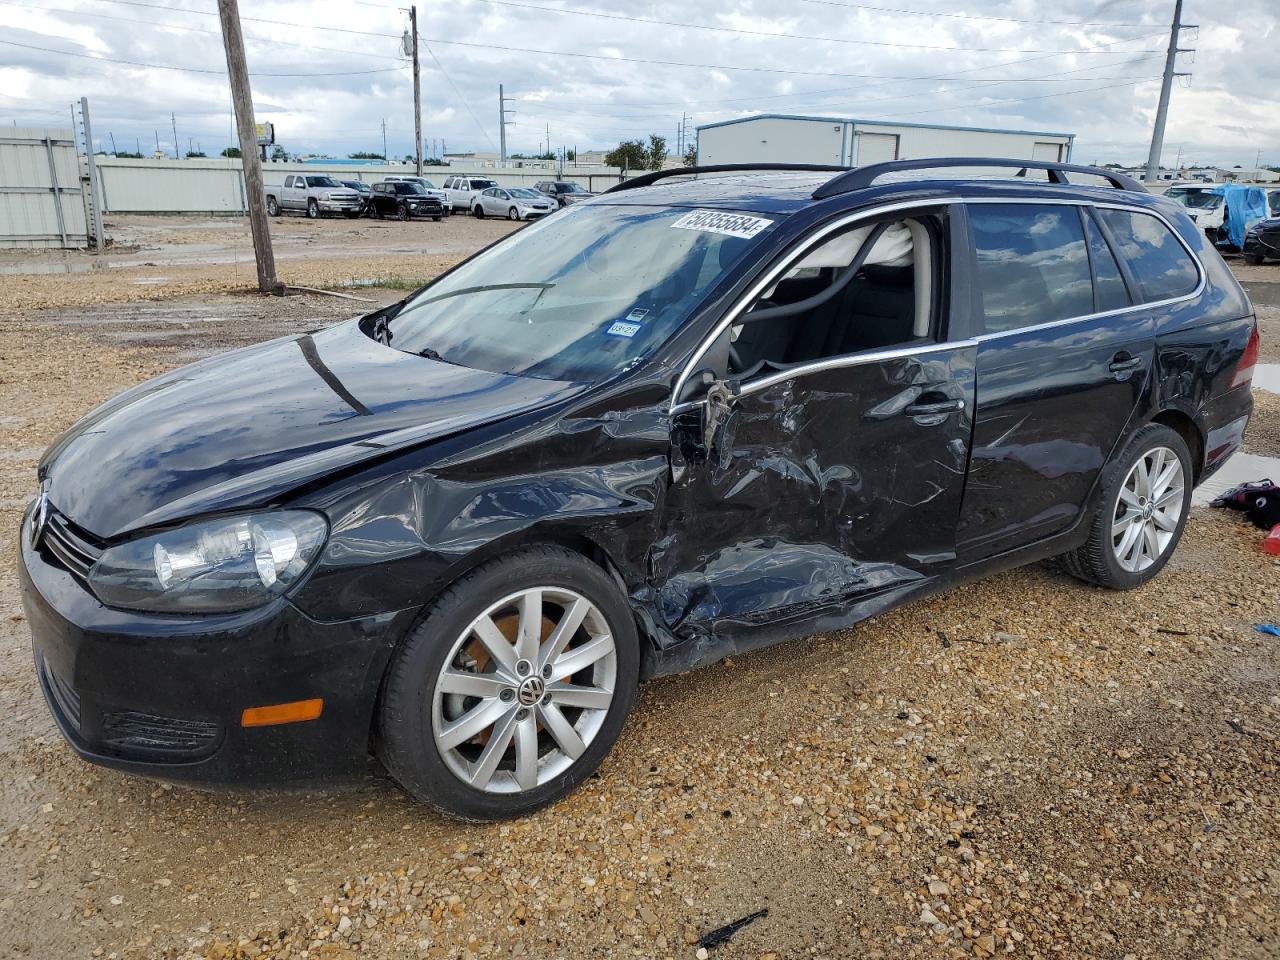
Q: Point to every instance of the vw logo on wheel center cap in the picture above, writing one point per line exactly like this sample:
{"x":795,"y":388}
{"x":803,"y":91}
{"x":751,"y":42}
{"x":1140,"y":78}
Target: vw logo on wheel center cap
{"x":531,"y":690}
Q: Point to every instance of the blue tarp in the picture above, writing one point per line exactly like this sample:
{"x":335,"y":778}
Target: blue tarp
{"x":1245,"y":205}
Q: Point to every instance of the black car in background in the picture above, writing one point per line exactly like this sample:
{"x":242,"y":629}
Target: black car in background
{"x":1262,"y":242}
{"x":361,"y":188}
{"x":403,"y":201}
{"x":683,"y":420}
{"x":563,"y":192}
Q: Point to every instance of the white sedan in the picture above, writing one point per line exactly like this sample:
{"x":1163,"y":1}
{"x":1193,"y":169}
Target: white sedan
{"x":514,"y":203}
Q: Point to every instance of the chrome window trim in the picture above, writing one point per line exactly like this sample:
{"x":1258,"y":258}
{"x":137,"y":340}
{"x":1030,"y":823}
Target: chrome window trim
{"x":854,"y":359}
{"x":771,"y":275}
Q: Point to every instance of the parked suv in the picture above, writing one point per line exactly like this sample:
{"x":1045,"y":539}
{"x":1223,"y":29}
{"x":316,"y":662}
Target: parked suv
{"x":563,"y":192}
{"x":683,"y":420}
{"x":403,"y":200}
{"x":428,"y":188}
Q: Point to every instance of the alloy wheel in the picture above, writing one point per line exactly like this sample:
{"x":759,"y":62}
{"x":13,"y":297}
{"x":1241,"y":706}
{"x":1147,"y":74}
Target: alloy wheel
{"x":524,"y":690}
{"x":1148,"y":509}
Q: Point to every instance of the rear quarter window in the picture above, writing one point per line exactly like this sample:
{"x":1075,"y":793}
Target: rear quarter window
{"x":1158,"y":261}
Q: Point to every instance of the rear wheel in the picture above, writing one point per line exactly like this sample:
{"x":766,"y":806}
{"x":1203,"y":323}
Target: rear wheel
{"x":514,"y":687}
{"x":313,"y":209}
{"x":1143,"y":507}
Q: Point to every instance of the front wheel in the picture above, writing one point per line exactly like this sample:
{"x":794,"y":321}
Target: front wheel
{"x":478,"y":212}
{"x":402,"y":212}
{"x":513,"y":689}
{"x":273,"y":207}
{"x":513,"y":214}
{"x":313,"y":209}
{"x":1142,"y":511}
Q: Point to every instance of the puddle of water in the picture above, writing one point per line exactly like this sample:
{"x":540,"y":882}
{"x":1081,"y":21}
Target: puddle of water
{"x":1266,"y":376}
{"x":1241,"y":468}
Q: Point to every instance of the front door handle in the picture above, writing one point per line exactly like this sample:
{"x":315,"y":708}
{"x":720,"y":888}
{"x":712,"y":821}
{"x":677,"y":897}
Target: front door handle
{"x":933,"y":409}
{"x":1124,"y":363}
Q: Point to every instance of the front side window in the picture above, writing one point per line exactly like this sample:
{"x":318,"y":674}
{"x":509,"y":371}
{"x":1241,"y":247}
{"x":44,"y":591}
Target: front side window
{"x":1033,"y":266}
{"x":577,"y":297}
{"x":869,"y":287}
{"x":1158,"y":261}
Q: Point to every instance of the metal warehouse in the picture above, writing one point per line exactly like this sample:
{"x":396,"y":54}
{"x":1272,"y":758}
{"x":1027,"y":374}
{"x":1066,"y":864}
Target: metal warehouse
{"x":779,"y":138}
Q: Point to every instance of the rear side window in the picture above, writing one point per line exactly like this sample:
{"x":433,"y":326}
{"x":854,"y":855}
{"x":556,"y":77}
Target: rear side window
{"x":1033,"y":265}
{"x":1109,"y":291}
{"x":1158,"y":261}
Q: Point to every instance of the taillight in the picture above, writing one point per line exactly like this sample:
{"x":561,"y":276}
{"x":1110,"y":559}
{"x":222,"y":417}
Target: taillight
{"x":1244,"y":369}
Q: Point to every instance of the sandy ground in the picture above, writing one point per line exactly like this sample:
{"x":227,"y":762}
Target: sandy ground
{"x":1023,"y":767}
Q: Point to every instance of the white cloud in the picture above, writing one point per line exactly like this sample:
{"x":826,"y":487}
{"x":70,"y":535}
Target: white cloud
{"x":1224,"y":116}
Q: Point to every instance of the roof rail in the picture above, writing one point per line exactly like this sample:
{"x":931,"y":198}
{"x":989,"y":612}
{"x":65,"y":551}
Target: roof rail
{"x":645,"y":179}
{"x":860,"y":177}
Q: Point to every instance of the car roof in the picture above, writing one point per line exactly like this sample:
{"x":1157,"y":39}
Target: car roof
{"x":788,"y":193}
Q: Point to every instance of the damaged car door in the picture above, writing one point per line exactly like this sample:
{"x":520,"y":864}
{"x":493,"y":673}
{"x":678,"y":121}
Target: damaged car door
{"x":821,"y":438}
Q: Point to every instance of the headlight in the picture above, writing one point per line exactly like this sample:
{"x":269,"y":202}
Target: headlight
{"x":232,"y":563}
{"x":324,"y":196}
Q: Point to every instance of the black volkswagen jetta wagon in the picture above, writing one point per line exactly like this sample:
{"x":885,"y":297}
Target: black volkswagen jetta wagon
{"x":690,"y":417}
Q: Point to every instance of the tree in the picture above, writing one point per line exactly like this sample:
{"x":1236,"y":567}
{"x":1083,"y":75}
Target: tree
{"x":194,"y":154}
{"x":630,"y":154}
{"x":657,"y":152}
{"x":128,"y":155}
{"x":279,"y":153}
{"x":365,"y":155}
{"x":571,"y":156}
{"x":691,"y":156}
{"x":232,"y":153}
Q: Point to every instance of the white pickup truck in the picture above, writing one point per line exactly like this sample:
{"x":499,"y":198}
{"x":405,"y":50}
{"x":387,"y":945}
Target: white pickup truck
{"x":462,"y":191}
{"x":312,"y":194}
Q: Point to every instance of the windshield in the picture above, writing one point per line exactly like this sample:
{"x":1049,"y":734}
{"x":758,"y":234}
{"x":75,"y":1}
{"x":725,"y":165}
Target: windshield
{"x":402,"y":187}
{"x":322,"y":182}
{"x":1200,"y":199}
{"x":524,"y":193}
{"x":579,"y":296}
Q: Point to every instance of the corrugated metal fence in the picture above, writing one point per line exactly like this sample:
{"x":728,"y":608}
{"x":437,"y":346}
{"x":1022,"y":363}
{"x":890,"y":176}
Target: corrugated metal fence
{"x":217,"y":185}
{"x":41,"y":202}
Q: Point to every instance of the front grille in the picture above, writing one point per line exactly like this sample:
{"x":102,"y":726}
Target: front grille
{"x":128,"y":730}
{"x":62,"y":695}
{"x":67,"y":547}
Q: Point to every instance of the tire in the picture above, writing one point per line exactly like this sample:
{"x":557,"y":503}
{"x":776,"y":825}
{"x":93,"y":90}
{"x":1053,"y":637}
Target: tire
{"x":478,"y":212}
{"x":1114,"y":556}
{"x":513,"y":214}
{"x":415,"y":708}
{"x":402,"y":212}
{"x":375,"y":211}
{"x":273,"y":207}
{"x":313,"y":210}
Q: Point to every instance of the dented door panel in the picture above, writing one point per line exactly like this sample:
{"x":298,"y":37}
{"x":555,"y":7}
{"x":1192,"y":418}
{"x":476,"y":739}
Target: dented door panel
{"x":816,"y":492}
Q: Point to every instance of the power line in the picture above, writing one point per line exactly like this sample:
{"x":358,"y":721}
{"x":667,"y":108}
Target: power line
{"x":995,"y":103}
{"x":176,"y":26}
{"x":766,"y":33}
{"x":165,"y":66}
{"x":971,"y":16}
{"x":463,"y":100}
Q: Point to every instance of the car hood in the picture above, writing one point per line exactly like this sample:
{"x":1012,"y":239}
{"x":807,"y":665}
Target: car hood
{"x":242,"y":429}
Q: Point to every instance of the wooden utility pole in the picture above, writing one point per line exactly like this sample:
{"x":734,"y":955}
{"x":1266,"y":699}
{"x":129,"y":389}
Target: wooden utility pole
{"x":417,"y":93}
{"x":238,"y":71}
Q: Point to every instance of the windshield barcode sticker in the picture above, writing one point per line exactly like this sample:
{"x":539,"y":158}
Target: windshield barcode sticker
{"x":729,"y":224}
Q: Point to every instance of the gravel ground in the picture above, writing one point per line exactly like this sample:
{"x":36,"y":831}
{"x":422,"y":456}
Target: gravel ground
{"x":1024,"y":766}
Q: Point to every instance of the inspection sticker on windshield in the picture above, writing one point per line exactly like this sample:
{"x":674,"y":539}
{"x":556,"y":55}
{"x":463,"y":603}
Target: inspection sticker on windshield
{"x":729,"y":224}
{"x":623,"y":329}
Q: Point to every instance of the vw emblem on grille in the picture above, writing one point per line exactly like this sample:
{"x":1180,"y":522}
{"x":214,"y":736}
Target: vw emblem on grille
{"x":531,"y":691}
{"x":40,"y":516}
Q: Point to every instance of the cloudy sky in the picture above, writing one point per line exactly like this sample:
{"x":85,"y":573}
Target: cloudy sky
{"x":598,"y":71}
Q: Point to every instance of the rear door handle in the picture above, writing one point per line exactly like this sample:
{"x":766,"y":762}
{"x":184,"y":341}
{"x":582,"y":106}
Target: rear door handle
{"x":934,"y":409}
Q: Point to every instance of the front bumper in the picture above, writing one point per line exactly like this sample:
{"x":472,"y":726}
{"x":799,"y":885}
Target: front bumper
{"x":340,"y":206}
{"x":162,"y":695}
{"x":1261,"y":245}
{"x":428,"y":208}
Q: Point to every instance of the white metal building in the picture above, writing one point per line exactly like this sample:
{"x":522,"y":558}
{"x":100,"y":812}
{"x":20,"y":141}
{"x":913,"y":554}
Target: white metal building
{"x":779,"y":138}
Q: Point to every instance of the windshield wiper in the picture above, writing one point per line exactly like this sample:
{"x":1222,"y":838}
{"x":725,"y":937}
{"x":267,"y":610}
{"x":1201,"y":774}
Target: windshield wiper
{"x":431,"y":354}
{"x":485,"y":289}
